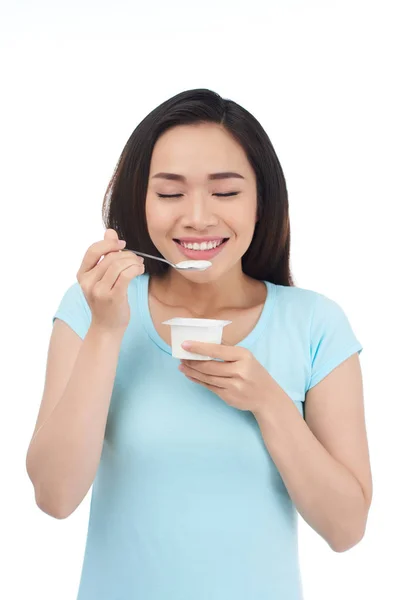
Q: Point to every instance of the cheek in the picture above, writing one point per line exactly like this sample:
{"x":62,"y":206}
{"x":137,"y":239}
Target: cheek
{"x":241,"y":219}
{"x":159,"y":217}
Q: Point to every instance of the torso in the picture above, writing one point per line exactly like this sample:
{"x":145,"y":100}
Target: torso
{"x":186,"y":487}
{"x":243,"y":319}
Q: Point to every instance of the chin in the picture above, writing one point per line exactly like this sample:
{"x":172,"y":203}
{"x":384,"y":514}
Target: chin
{"x":199,"y":277}
{"x":214,"y":273}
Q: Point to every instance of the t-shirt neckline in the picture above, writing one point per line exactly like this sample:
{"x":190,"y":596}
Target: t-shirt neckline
{"x":142,"y":287}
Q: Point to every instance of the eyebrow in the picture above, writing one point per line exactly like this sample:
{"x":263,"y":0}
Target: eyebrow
{"x":211,"y":177}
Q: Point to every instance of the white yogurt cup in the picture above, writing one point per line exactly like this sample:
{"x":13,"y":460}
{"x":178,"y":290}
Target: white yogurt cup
{"x":199,"y":330}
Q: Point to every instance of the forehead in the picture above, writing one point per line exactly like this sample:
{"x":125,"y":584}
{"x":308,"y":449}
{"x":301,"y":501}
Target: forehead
{"x":198,"y":149}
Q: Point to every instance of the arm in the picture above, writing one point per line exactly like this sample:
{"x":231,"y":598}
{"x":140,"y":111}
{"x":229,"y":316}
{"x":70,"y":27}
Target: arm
{"x":66,"y":446}
{"x":324,"y":460}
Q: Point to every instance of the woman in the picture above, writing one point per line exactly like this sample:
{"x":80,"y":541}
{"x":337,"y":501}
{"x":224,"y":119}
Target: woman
{"x":198,"y":467}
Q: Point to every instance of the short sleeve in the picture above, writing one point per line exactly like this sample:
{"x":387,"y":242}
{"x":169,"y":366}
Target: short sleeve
{"x":74,"y":310}
{"x":332,"y":339}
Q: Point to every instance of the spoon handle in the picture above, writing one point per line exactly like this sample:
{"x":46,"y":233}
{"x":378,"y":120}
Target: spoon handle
{"x":150,"y":256}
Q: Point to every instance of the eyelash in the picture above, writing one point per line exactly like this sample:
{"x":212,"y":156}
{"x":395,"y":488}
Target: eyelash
{"x":179,"y":195}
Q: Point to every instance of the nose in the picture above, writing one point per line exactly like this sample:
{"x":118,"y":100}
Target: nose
{"x":199,"y":214}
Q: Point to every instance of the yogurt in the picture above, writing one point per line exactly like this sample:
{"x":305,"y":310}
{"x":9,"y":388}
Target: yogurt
{"x":200,"y":265}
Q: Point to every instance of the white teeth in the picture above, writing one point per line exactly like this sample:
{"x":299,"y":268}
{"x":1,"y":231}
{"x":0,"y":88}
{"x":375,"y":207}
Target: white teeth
{"x":202,"y":246}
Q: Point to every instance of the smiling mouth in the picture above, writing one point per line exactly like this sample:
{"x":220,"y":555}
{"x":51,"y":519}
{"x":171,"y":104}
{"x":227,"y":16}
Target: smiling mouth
{"x":201,"y":249}
{"x":197,"y":246}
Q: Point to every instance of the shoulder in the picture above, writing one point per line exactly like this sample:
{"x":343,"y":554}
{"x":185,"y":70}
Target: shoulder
{"x":293,"y":298}
{"x":307,"y":299}
{"x":312,"y":311}
{"x":74,"y":309}
{"x":73,"y":294}
{"x":324,"y":318}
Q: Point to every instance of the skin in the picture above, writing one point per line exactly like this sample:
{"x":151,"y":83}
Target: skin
{"x":324,"y":465}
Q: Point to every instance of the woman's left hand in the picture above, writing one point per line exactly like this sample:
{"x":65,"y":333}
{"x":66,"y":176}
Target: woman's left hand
{"x":241,"y":381}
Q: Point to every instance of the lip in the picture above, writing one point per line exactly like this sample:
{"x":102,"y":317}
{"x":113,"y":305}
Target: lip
{"x":199,"y":240}
{"x":200,"y":254}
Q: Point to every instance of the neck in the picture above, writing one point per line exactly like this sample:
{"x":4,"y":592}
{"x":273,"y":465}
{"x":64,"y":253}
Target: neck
{"x":204,"y":299}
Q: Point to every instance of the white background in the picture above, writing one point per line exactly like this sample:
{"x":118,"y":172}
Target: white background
{"x":76,"y":79}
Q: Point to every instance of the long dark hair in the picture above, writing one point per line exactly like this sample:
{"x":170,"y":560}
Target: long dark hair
{"x":267,"y":257}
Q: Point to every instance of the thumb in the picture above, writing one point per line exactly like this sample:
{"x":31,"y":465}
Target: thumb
{"x":110,"y":234}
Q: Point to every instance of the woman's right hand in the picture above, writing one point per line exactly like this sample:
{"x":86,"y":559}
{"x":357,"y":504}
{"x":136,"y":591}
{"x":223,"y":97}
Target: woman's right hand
{"x":105,"y":283}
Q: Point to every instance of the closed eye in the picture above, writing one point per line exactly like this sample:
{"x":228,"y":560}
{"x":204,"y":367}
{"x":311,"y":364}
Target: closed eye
{"x":179,"y":195}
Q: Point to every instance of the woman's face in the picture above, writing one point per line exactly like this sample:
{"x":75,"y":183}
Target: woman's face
{"x":207,"y":215}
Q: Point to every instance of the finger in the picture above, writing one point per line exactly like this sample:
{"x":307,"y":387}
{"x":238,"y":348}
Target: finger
{"x":95,"y":252}
{"x":216,"y":390}
{"x":211,"y":367}
{"x":118,"y":261}
{"x":226,"y":353}
{"x":110,"y":234}
{"x":117,"y":268}
{"x":125,"y":277}
{"x":218,"y":382}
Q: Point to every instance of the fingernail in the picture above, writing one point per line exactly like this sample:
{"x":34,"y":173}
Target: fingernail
{"x":121,"y":243}
{"x":186,"y":345}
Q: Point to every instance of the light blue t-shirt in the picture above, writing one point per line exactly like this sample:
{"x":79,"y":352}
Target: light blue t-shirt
{"x":187,"y":503}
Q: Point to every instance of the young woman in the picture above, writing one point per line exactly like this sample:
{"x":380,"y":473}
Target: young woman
{"x":198,"y":467}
